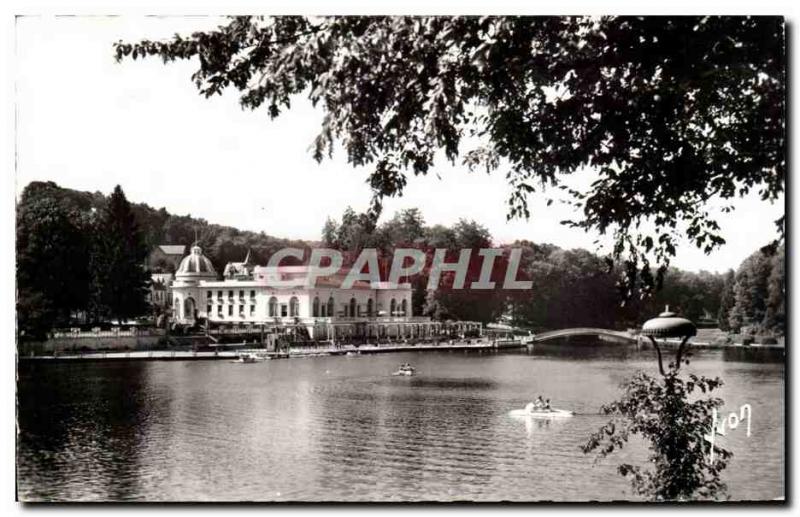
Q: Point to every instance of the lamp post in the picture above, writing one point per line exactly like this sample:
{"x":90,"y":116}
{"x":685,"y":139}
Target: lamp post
{"x":667,"y":325}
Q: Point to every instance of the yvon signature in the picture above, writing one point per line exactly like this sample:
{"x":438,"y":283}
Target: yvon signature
{"x":733,"y":420}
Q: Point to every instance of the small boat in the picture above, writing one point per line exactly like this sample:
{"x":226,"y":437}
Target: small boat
{"x":541,"y":413}
{"x":248,"y":358}
{"x":407,"y":371}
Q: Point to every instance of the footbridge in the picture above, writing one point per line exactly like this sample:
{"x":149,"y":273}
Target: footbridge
{"x":566,"y":333}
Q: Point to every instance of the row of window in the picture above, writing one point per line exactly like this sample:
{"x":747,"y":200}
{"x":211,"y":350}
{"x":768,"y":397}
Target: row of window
{"x":318,"y":309}
{"x":353,"y":309}
{"x":220,"y":311}
{"x":292,"y":310}
{"x":210,"y":294}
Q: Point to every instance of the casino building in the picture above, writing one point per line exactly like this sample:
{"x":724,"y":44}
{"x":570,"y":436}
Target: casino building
{"x":247,"y":295}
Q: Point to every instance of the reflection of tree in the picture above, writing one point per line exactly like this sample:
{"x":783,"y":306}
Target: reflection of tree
{"x":82,"y":417}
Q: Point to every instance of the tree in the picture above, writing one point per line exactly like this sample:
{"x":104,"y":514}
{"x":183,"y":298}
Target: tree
{"x":329,"y":232}
{"x":660,"y":411}
{"x":668,"y":113}
{"x":727,"y":300}
{"x":122,"y":278}
{"x":775,"y":314}
{"x":52,"y":260}
{"x":750,"y":292}
{"x":406,"y":228}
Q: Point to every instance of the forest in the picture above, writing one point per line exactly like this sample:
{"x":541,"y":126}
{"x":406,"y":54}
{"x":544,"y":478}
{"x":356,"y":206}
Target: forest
{"x":83,"y":251}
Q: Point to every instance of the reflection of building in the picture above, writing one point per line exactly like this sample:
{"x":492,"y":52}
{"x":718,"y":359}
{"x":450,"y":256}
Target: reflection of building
{"x":248,"y":295}
{"x":165,"y":258}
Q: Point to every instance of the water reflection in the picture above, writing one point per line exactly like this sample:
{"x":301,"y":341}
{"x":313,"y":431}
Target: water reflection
{"x":342,"y":428}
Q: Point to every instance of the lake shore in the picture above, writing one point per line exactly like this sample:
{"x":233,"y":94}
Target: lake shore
{"x":327,"y":350}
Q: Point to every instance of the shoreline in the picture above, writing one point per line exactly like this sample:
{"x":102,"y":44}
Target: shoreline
{"x":350,"y":350}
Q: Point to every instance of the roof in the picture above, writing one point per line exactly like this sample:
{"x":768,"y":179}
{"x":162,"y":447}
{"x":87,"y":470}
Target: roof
{"x":172,"y":249}
{"x":195,"y":265}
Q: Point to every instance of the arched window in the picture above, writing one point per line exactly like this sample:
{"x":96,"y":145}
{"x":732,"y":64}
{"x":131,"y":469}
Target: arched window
{"x":315,"y":307}
{"x":392,"y":307}
{"x":330,"y":307}
{"x":294,"y":307}
{"x":369,"y":307}
{"x":404,"y":307}
{"x":353,"y":307}
{"x":273,"y":307}
{"x":188,"y":308}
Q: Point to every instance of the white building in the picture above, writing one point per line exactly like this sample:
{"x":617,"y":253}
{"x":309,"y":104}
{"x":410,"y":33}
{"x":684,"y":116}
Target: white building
{"x":248,"y":295}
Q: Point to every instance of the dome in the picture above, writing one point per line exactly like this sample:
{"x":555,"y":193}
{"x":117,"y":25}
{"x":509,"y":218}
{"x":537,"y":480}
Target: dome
{"x":195,"y":265}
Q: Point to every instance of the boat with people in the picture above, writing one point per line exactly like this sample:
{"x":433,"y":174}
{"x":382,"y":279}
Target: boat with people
{"x":540,"y":409}
{"x":405,"y":370}
{"x":248,"y":358}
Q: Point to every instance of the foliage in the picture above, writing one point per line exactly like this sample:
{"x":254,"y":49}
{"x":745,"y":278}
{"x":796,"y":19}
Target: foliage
{"x":52,"y":260}
{"x":407,"y":229}
{"x":667,"y":112}
{"x":660,"y":411}
{"x":571,"y":287}
{"x":759,"y":293}
{"x":775,"y":315}
{"x":122,"y":279}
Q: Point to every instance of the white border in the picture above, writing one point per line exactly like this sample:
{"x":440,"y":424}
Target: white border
{"x":10,"y":8}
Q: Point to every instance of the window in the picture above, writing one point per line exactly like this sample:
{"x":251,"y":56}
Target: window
{"x":252,"y":310}
{"x":219,"y":295}
{"x":208,"y":309}
{"x":353,"y":307}
{"x":392,"y":307}
{"x":252,"y":294}
{"x":273,"y":307}
{"x":315,"y":307}
{"x":369,"y":307}
{"x":241,"y":294}
{"x":241,"y":310}
{"x":230,"y":294}
{"x":284,"y":310}
{"x":330,"y":306}
{"x":230,"y":310}
{"x":209,"y":294}
{"x":294,"y":307}
{"x":403,"y":307}
{"x":219,"y":310}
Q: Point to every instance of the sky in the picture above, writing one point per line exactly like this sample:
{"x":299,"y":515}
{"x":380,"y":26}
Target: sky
{"x":89,"y":123}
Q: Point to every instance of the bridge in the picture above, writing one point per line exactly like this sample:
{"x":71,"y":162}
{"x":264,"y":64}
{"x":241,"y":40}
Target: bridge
{"x":566,"y":333}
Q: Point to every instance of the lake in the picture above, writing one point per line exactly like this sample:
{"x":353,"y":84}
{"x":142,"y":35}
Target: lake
{"x":344,"y":429}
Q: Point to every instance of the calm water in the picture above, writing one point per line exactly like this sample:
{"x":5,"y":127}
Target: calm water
{"x":342,"y":428}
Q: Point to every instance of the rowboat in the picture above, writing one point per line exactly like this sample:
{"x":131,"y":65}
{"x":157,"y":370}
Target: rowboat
{"x":541,"y":413}
{"x":406,"y":371}
{"x":247,"y":358}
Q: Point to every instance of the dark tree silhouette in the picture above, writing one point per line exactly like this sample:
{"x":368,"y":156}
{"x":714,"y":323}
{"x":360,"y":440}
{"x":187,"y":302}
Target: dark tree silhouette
{"x":52,"y":261}
{"x":121,"y":275}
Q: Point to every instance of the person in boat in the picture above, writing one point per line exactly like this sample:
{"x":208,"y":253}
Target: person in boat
{"x":547,"y":405}
{"x":539,"y":403}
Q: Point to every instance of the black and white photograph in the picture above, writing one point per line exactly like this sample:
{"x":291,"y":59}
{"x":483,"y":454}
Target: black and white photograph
{"x":399,"y":258}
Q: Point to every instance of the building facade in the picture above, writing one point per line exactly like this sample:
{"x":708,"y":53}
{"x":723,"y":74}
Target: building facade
{"x":248,"y":295}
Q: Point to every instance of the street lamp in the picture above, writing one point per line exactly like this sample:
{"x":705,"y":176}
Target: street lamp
{"x":668,"y":325}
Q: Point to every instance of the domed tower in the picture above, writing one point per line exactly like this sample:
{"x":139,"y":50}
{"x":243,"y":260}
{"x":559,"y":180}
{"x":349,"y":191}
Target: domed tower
{"x":186,"y":289}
